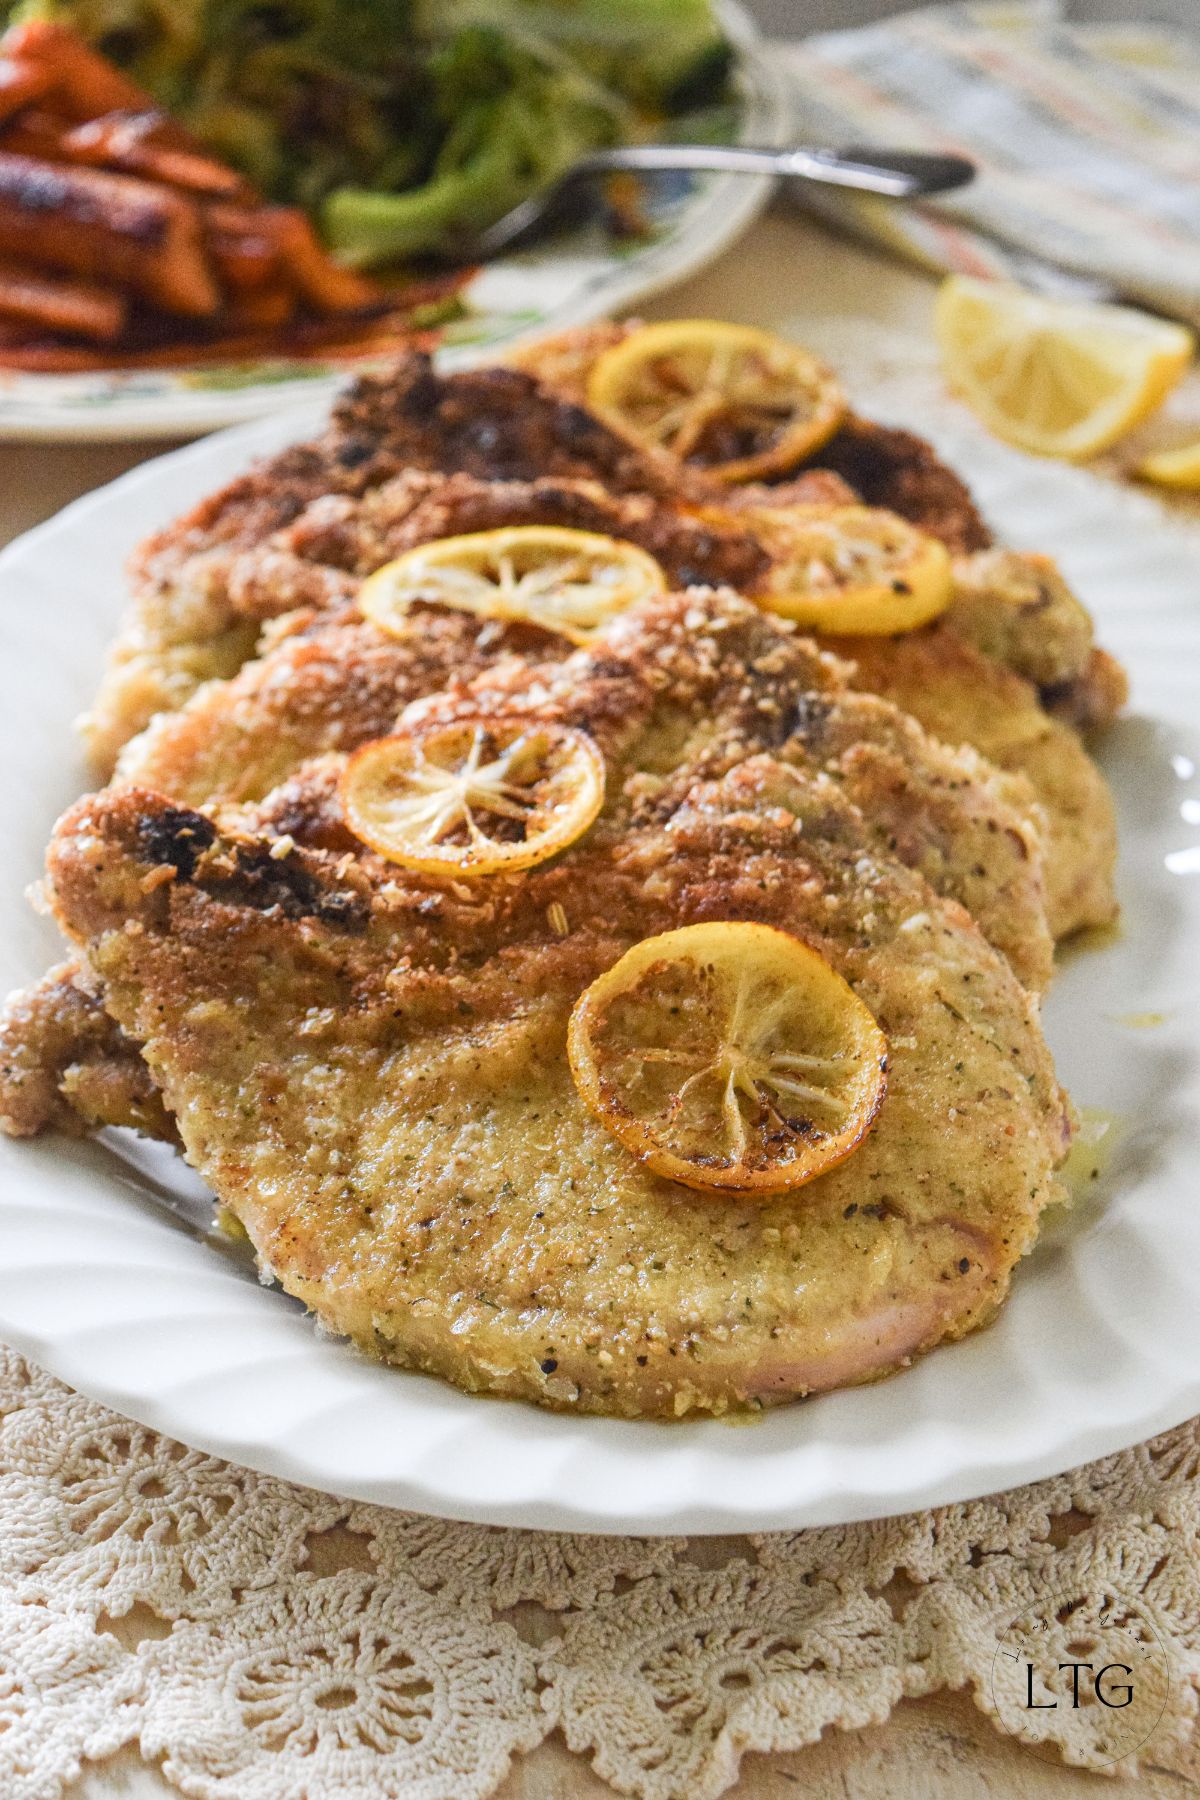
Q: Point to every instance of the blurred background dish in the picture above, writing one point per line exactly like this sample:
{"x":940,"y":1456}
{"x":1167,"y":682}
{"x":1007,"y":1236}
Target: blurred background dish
{"x":718,"y":83}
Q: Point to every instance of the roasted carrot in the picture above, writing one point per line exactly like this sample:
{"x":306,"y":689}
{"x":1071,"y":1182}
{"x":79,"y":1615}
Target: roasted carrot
{"x":50,"y":304}
{"x":244,"y":262}
{"x":21,"y":83}
{"x":84,"y":83}
{"x":241,"y":232}
{"x":36,"y":132}
{"x":327,"y":287}
{"x":259,"y":309}
{"x":341,"y":339}
{"x":140,"y":144}
{"x":123,"y":230}
{"x":117,"y":225}
{"x":124,"y":143}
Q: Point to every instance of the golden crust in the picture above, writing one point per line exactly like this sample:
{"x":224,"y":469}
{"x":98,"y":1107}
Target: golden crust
{"x":704,"y":678}
{"x":690,"y":683}
{"x":369,"y":1069}
{"x":368,"y":1065}
{"x":191,"y":609}
{"x":879,"y":464}
{"x":332,"y":684}
{"x":959,"y":695}
{"x":1017,"y":609}
{"x":297,"y":535}
{"x":494,"y":423}
{"x":955,"y":677}
{"x":66,"y":1065}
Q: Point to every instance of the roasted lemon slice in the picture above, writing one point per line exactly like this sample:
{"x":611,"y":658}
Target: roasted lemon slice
{"x":473,"y":795}
{"x":737,"y":402}
{"x":572,"y":582}
{"x":729,"y":1056}
{"x":1058,"y":377}
{"x":853,"y":569}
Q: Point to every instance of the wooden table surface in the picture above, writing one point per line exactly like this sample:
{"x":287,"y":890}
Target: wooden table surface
{"x":936,"y":1749}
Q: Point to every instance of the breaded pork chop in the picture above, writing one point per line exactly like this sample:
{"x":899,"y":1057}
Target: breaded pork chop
{"x":1014,"y":607}
{"x":496,"y":423}
{"x":680,"y":688}
{"x":961,"y":696}
{"x":66,"y":1065}
{"x":230,"y":592}
{"x":333,"y":684}
{"x":1018,"y":609}
{"x":683,"y":687}
{"x":883,"y":466}
{"x":370,"y":1070}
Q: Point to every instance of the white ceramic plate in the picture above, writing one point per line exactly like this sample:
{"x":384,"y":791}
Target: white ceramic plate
{"x":567,"y":282}
{"x":1099,"y":1347}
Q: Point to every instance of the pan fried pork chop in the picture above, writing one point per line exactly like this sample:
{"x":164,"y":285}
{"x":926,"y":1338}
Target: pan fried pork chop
{"x":66,"y":1065}
{"x":301,"y":531}
{"x":298,"y":703}
{"x":682,"y":686}
{"x":333,"y":684}
{"x":1014,"y":607}
{"x":692,"y":682}
{"x":1017,"y":609}
{"x":881,"y":465}
{"x":369,"y":1068}
{"x":495,"y":423}
{"x":961,"y":696}
{"x":1018,"y":606}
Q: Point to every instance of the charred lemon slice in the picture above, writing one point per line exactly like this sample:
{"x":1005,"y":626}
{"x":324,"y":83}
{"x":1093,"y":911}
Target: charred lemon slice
{"x":473,"y":795}
{"x":572,"y":582}
{"x":740,"y":403}
{"x":853,"y":569}
{"x":729,"y":1056}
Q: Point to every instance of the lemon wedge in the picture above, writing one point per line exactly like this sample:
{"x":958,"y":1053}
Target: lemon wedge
{"x":1060,"y":378}
{"x":1173,"y":468}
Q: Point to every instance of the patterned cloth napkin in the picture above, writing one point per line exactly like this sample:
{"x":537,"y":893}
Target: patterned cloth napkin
{"x":1087,"y":140}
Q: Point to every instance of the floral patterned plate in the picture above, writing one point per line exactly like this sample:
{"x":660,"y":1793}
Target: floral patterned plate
{"x":566,"y":282}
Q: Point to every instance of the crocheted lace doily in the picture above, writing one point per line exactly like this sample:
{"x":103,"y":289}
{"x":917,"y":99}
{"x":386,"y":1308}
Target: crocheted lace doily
{"x":279,"y":1644}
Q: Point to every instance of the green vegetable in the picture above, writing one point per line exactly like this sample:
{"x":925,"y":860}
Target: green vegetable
{"x":512,"y":121}
{"x":658,"y":53}
{"x":401,"y":124}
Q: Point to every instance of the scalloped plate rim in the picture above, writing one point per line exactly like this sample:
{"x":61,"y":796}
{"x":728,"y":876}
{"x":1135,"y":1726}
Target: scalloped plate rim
{"x":83,"y":1251}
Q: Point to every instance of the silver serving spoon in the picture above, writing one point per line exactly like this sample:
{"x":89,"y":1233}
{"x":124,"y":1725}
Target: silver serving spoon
{"x":899,"y":175}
